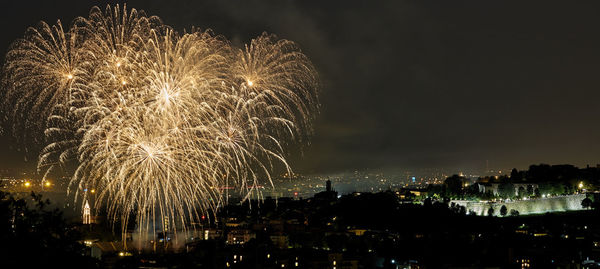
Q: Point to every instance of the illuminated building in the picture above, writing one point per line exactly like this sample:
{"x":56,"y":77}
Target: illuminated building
{"x":87,"y":218}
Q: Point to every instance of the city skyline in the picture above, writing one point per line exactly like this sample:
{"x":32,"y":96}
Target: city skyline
{"x":299,"y":134}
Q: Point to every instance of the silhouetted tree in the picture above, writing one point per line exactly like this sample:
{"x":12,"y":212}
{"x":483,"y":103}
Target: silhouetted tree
{"x":462,"y":210}
{"x":515,"y":175}
{"x":506,"y":190}
{"x":33,"y":230}
{"x":490,"y":211}
{"x":586,"y":203}
{"x":458,"y":209}
{"x":536,"y":192}
{"x":521,"y":193}
{"x":551,"y":188}
{"x":488,"y":195}
{"x":530,"y":190}
{"x":435,"y":190}
{"x":568,"y":188}
{"x":514,"y":213}
{"x":427,"y":202}
{"x":454,"y":184}
{"x":503,"y":210}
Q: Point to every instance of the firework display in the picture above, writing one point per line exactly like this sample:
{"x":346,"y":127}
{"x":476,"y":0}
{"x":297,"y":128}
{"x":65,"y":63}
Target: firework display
{"x":160,"y":124}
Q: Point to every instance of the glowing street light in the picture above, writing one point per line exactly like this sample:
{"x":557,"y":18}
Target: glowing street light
{"x":27,"y":184}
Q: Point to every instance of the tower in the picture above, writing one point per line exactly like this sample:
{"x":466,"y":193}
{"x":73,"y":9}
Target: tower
{"x":328,"y":185}
{"x":87,"y":218}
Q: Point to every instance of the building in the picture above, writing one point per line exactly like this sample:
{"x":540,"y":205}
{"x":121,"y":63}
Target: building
{"x":87,"y":216}
{"x":239,"y":236}
{"x":328,"y":195}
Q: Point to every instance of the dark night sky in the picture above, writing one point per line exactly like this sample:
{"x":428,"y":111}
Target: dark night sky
{"x":411,"y":84}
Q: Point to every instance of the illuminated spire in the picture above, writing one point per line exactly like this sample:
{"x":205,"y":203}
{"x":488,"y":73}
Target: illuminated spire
{"x":87,"y":218}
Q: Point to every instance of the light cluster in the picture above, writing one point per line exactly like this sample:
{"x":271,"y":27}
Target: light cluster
{"x":161,"y":124}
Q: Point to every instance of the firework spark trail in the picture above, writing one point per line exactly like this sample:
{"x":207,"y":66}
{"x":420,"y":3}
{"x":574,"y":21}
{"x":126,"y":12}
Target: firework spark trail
{"x":39,"y":69}
{"x":158,"y":122}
